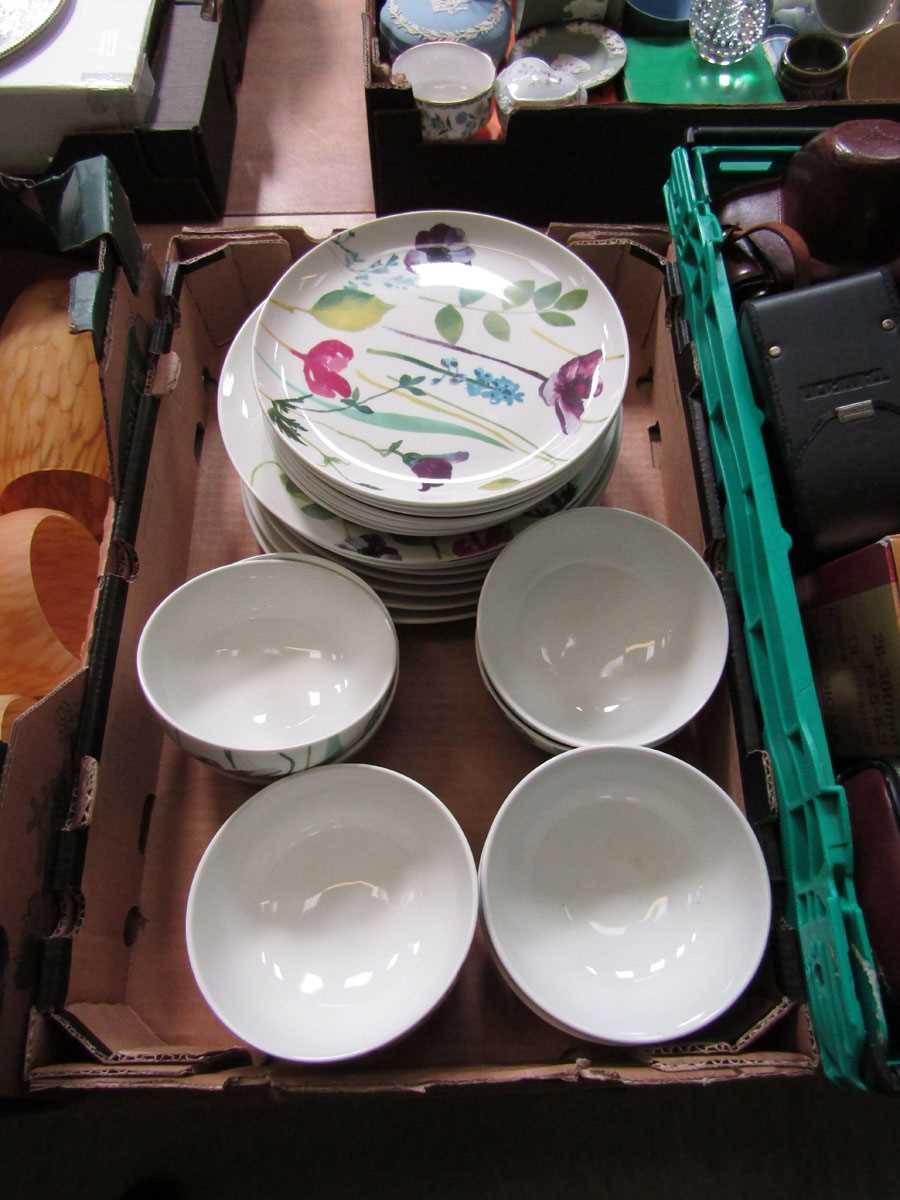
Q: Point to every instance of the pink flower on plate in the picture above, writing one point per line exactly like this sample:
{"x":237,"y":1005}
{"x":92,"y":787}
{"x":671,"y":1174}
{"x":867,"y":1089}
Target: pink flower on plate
{"x":322,"y":366}
{"x":568,"y":388}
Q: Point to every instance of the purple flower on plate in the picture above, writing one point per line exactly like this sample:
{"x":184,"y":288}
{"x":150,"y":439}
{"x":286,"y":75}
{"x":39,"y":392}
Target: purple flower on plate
{"x":441,"y":243}
{"x":482,"y":539}
{"x":372,"y":545}
{"x":568,"y":388}
{"x":433,"y":468}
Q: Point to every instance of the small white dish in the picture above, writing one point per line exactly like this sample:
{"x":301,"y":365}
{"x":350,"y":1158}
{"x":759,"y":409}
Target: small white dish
{"x":269,"y":665}
{"x":599,"y":626}
{"x":532,"y":83}
{"x":586,"y":50}
{"x":332,"y":913}
{"x":624,"y":895}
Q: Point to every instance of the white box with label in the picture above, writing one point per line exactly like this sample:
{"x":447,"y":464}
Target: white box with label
{"x":88,"y":70}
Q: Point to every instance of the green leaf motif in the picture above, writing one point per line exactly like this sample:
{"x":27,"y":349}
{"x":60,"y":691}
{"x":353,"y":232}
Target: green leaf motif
{"x":547,"y":295}
{"x":291,"y":488}
{"x":469,"y":296}
{"x":409,"y":383}
{"x":497,"y":326}
{"x":556,"y":318}
{"x":449,"y":324}
{"x":573,"y":299}
{"x":409,"y":423}
{"x":497,"y":485}
{"x":349,"y":310}
{"x":308,"y":507}
{"x":519,"y":293}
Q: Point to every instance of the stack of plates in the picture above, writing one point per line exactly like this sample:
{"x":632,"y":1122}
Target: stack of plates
{"x":417,"y":391}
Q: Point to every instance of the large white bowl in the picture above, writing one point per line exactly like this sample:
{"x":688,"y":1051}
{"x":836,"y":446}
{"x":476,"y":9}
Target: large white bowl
{"x":599,"y":626}
{"x":269,"y":665}
{"x":624,"y":895}
{"x":332,"y":912}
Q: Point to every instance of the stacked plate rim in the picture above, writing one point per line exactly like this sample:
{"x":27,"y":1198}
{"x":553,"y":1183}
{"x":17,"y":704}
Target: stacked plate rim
{"x":415,"y":392}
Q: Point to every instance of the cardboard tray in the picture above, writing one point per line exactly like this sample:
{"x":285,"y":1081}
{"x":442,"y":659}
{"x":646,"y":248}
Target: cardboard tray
{"x":102,"y":820}
{"x":602,"y":162}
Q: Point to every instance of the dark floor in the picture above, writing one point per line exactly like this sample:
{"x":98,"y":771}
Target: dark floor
{"x":758,"y":1139}
{"x":741,"y":1141}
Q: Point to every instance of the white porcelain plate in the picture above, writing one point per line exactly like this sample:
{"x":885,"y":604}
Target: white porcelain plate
{"x":244,"y":433}
{"x":439,"y":361}
{"x":23,"y":20}
{"x":331,"y":913}
{"x":589,"y":52}
{"x":413,"y":607}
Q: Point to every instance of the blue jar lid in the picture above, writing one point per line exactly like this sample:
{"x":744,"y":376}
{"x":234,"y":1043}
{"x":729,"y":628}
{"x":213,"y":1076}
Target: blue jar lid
{"x":484,"y":24}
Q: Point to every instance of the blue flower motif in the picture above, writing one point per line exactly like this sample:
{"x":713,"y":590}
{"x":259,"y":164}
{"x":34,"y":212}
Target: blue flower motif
{"x":452,"y":372}
{"x":496,"y":388}
{"x":506,"y":391}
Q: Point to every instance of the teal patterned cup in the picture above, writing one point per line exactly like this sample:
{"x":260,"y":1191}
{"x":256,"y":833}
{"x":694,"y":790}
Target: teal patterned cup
{"x":452,"y":85}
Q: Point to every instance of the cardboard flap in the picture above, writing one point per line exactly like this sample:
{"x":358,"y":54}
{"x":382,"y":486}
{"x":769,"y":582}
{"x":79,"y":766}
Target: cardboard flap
{"x":35,"y":788}
{"x":715,"y":1049}
{"x":114,"y":1033}
{"x":125,"y":359}
{"x":229,"y":280}
{"x":293,"y":1079}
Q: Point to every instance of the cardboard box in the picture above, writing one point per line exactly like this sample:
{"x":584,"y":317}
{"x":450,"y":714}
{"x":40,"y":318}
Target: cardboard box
{"x":234,"y":18}
{"x":90,"y":70}
{"x":102,"y":820}
{"x":852,"y":621}
{"x":177,"y":164}
{"x":601,"y":162}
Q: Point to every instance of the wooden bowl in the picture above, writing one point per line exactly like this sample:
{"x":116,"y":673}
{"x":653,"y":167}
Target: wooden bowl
{"x":48,"y":577}
{"x":53,"y":441}
{"x":84,"y":497}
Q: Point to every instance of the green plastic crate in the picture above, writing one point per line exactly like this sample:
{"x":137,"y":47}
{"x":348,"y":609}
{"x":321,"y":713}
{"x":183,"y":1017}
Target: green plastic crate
{"x":844,"y":997}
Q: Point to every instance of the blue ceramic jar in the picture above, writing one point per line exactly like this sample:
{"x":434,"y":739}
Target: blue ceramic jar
{"x":484,"y":24}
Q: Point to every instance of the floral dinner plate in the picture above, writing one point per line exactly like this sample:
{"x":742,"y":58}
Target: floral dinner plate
{"x":439,"y":361}
{"x":243,"y":429}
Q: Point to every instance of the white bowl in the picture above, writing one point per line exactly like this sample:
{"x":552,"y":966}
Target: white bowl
{"x":544,"y":744}
{"x":599,"y":626}
{"x":624,"y":895}
{"x":269,"y":665}
{"x":331,"y":913}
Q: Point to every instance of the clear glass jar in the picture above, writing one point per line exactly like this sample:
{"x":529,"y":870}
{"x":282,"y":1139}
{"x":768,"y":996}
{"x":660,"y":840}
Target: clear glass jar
{"x":724,"y":31}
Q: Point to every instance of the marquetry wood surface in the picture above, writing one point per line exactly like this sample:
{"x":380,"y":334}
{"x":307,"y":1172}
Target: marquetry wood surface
{"x":53,"y":444}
